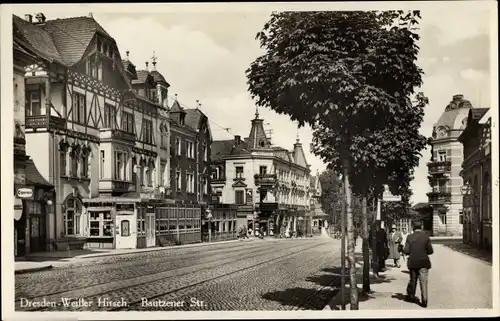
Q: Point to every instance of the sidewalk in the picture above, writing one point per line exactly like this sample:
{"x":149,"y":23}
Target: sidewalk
{"x":47,"y":260}
{"x":456,"y":281}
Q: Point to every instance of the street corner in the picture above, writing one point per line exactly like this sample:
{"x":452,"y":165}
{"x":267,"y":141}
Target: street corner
{"x":23,"y":268}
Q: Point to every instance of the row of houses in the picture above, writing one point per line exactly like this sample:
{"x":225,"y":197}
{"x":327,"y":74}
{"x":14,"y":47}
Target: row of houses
{"x":104,"y":159}
{"x":460,"y":174}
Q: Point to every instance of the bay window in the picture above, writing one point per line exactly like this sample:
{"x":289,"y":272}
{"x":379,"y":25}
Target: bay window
{"x":120,"y":166}
{"x":109,"y":116}
{"x":33,"y":103}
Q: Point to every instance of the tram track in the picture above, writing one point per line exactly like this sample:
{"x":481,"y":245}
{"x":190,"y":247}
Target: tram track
{"x":155,"y":277}
{"x":138,"y":303}
{"x":60,"y":273}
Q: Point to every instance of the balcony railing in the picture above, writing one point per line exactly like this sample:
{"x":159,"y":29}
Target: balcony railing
{"x":439,"y":167}
{"x":265,"y":179}
{"x":45,"y":121}
{"x":439,"y":196}
{"x":111,"y":185}
{"x":116,"y":134}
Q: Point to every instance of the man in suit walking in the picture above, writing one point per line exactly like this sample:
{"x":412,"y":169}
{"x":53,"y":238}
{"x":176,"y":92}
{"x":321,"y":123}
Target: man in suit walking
{"x":418,"y":247}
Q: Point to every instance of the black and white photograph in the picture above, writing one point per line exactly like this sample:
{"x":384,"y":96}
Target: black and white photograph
{"x":248,"y":159}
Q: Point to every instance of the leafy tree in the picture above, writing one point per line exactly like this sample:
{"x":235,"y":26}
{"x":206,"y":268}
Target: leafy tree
{"x":350,"y":76}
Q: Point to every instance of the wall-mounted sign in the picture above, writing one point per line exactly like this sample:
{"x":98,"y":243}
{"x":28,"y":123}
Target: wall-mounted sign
{"x":125,"y":207}
{"x":18,"y":209}
{"x":24,"y":192}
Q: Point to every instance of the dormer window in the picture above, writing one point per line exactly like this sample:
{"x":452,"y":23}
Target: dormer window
{"x":105,"y":48}
{"x":94,"y":67}
{"x":99,"y":45}
{"x":181,"y":119}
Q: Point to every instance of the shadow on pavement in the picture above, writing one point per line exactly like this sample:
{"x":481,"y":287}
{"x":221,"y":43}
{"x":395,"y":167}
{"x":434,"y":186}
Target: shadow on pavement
{"x":469,"y":250}
{"x":308,"y":299}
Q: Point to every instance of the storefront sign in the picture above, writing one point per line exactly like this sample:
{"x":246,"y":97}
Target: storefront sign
{"x":18,"y":209}
{"x":125,"y":207}
{"x":24,"y":192}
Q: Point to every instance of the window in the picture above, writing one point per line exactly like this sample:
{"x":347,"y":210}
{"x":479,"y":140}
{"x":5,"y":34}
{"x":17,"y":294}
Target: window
{"x":178,"y":180}
{"x":62,"y":163}
{"x":74,"y":166}
{"x":239,"y":171}
{"x":94,"y":67}
{"x":442,"y":218}
{"x":101,"y":224}
{"x":72,"y":217}
{"x":120,"y":166}
{"x":33,"y":103}
{"x":262,"y":170}
{"x":84,"y":167}
{"x":109,"y":116}
{"x":181,"y":118}
{"x":79,"y":108}
{"x":149,"y":176}
{"x":102,"y":164}
{"x":128,"y":122}
{"x":190,"y":149}
{"x":162,"y":174}
{"x":442,"y":156}
{"x":125,"y":228}
{"x":205,"y":186}
{"x":163,"y":137}
{"x":178,"y":146}
{"x":239,"y":197}
{"x":205,"y":152}
{"x":147,"y":131}
{"x":190,"y":182}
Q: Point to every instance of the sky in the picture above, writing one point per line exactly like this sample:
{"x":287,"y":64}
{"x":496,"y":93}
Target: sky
{"x":204,"y":55}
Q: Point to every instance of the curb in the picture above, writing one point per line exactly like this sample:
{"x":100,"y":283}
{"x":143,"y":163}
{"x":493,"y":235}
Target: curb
{"x":30,"y":270}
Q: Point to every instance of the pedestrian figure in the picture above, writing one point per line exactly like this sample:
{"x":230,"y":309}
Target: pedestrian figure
{"x":250,"y":232}
{"x":395,"y":239}
{"x":418,"y":247}
{"x":401,"y":246}
{"x":377,"y":242}
{"x":261,"y":232}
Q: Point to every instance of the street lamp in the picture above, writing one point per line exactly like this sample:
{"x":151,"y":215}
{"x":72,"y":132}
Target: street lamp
{"x":209,"y":217}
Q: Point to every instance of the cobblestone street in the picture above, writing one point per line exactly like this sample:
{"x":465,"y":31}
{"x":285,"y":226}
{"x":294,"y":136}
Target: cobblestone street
{"x":265,"y":274}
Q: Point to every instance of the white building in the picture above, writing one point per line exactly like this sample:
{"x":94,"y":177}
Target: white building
{"x":269,"y":184}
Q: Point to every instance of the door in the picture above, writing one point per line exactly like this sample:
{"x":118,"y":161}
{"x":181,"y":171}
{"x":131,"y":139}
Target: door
{"x":37,"y":233}
{"x":126,"y":232}
{"x":150,"y":230}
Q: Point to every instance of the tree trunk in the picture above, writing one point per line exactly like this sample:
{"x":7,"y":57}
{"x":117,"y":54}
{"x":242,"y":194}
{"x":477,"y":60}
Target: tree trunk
{"x":353,"y":286}
{"x":366,"y":250}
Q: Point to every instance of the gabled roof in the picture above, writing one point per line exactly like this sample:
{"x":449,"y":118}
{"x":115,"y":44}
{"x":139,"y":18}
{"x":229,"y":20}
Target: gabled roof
{"x":222,"y":148}
{"x":473,"y":119}
{"x":41,"y":41}
{"x":193,"y":118}
{"x":72,"y":36}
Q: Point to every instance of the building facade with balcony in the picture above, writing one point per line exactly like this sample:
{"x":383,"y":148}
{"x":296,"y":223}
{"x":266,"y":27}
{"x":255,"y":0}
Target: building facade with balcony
{"x":477,"y":176}
{"x":444,"y":168}
{"x":319,"y":217}
{"x":99,"y":132}
{"x":268,"y":184}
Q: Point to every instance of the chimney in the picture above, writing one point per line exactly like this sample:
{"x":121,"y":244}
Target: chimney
{"x":153,"y":59}
{"x":90,"y":15}
{"x":41,"y":17}
{"x":147,"y":67}
{"x":458,"y":97}
{"x":127,"y":52}
{"x":28,"y":18}
{"x":237,"y":140}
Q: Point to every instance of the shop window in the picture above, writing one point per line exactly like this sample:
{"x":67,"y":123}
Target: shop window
{"x":125,"y":228}
{"x":100,"y":224}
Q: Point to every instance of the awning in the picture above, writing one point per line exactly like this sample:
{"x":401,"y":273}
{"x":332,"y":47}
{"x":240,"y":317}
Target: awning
{"x":33,"y":176}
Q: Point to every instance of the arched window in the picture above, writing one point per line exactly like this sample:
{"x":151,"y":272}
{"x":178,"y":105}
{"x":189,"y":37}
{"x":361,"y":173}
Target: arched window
{"x":72,"y":213}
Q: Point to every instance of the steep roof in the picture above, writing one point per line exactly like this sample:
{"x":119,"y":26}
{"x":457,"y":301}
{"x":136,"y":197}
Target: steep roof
{"x":142,"y":76}
{"x":73,"y":35}
{"x":33,"y":176}
{"x":473,"y":118}
{"x":193,"y":117}
{"x":158,"y":77}
{"x":223,"y":148}
{"x":299,"y":157}
{"x":176,"y":108}
{"x":455,"y":113}
{"x":40,"y":40}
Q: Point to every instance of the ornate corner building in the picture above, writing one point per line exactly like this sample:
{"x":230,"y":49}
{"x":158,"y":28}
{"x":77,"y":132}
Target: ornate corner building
{"x":103,"y":137}
{"x":262,"y":186}
{"x":445,"y":198}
